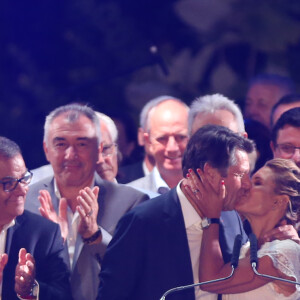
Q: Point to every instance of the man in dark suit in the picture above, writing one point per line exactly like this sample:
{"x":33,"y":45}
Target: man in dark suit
{"x":86,"y":207}
{"x":33,"y":264}
{"x":156,"y":245}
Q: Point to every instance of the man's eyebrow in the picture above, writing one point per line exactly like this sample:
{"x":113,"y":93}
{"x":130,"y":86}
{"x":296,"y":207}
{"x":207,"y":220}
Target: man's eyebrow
{"x":83,"y":139}
{"x":56,"y":139}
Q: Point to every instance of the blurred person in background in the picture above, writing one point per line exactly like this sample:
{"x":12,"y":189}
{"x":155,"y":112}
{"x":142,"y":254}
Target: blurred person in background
{"x":264,"y":91}
{"x":285,"y":103}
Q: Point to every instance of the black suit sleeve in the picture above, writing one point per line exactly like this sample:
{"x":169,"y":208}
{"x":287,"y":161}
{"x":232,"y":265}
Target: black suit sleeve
{"x":122,"y":262}
{"x":53,"y":273}
{"x":42,"y":239}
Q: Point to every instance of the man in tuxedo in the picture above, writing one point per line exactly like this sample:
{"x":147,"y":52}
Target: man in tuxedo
{"x":32,"y":261}
{"x":86,"y":207}
{"x":156,"y":245}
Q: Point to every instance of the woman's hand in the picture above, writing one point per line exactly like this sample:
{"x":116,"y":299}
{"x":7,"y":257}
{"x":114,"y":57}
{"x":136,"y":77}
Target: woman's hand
{"x":203,"y":196}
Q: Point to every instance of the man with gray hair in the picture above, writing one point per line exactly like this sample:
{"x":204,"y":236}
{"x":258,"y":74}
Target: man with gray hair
{"x":86,"y":207}
{"x":107,"y":165}
{"x":215,"y":109}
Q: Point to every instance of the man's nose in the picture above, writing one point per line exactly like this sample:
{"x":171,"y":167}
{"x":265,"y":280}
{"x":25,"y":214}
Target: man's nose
{"x":100,"y":158}
{"x":246,"y":181}
{"x":296,"y":156}
{"x":22,"y":189}
{"x":71,"y":152}
{"x":172,"y":144}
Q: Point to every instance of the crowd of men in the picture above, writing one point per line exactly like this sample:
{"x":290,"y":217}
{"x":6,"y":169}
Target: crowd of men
{"x":74,"y":232}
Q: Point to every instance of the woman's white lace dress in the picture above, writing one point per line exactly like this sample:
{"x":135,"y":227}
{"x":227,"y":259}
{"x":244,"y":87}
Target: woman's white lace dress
{"x":286,"y":258}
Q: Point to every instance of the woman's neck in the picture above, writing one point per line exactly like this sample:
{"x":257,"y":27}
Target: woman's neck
{"x":261,"y":225}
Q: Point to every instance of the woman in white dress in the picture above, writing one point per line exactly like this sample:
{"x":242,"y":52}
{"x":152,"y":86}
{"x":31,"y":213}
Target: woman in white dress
{"x":273,"y":199}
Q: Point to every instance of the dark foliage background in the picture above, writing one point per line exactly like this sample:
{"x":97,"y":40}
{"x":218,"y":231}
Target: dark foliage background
{"x":117,"y":54}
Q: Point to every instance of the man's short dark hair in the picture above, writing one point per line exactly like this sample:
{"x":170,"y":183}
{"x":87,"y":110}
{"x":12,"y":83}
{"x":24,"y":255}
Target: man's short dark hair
{"x":290,"y":117}
{"x":215,"y":145}
{"x":8,"y":148}
{"x":287,"y":99}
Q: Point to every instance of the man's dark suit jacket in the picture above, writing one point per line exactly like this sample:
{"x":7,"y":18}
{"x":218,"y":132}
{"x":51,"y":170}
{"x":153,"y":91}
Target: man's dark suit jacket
{"x":149,"y":252}
{"x":114,"y":201}
{"x":42,"y":239}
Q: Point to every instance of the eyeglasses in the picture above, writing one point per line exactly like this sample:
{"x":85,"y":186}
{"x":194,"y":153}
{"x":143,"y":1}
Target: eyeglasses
{"x":10,"y":183}
{"x":109,"y":149}
{"x":287,"y":149}
{"x":239,"y":175}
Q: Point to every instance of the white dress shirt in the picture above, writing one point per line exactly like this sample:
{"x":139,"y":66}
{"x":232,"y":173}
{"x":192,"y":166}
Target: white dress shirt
{"x":194,"y":232}
{"x":3,"y":235}
{"x":158,"y":181}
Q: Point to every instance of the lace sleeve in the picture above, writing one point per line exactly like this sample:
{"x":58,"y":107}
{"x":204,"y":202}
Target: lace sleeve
{"x":285,"y":256}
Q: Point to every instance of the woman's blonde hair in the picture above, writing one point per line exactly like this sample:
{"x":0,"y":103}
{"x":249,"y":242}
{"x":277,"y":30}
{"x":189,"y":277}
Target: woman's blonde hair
{"x":287,"y":182}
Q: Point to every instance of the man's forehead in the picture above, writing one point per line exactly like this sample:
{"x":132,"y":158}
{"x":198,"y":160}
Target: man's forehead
{"x":288,"y":133}
{"x":11,"y":166}
{"x":161,"y":133}
{"x":82,"y":126}
{"x":76,"y":138}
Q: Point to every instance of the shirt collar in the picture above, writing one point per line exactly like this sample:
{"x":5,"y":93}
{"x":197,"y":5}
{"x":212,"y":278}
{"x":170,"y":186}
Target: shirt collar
{"x":158,"y":181}
{"x":145,"y":169}
{"x":190,"y":215}
{"x":10,"y":224}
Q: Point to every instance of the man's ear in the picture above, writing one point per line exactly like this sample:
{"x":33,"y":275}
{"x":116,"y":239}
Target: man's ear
{"x":46,"y":150}
{"x":272,"y":147}
{"x":148,"y":141}
{"x":140,"y":136}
